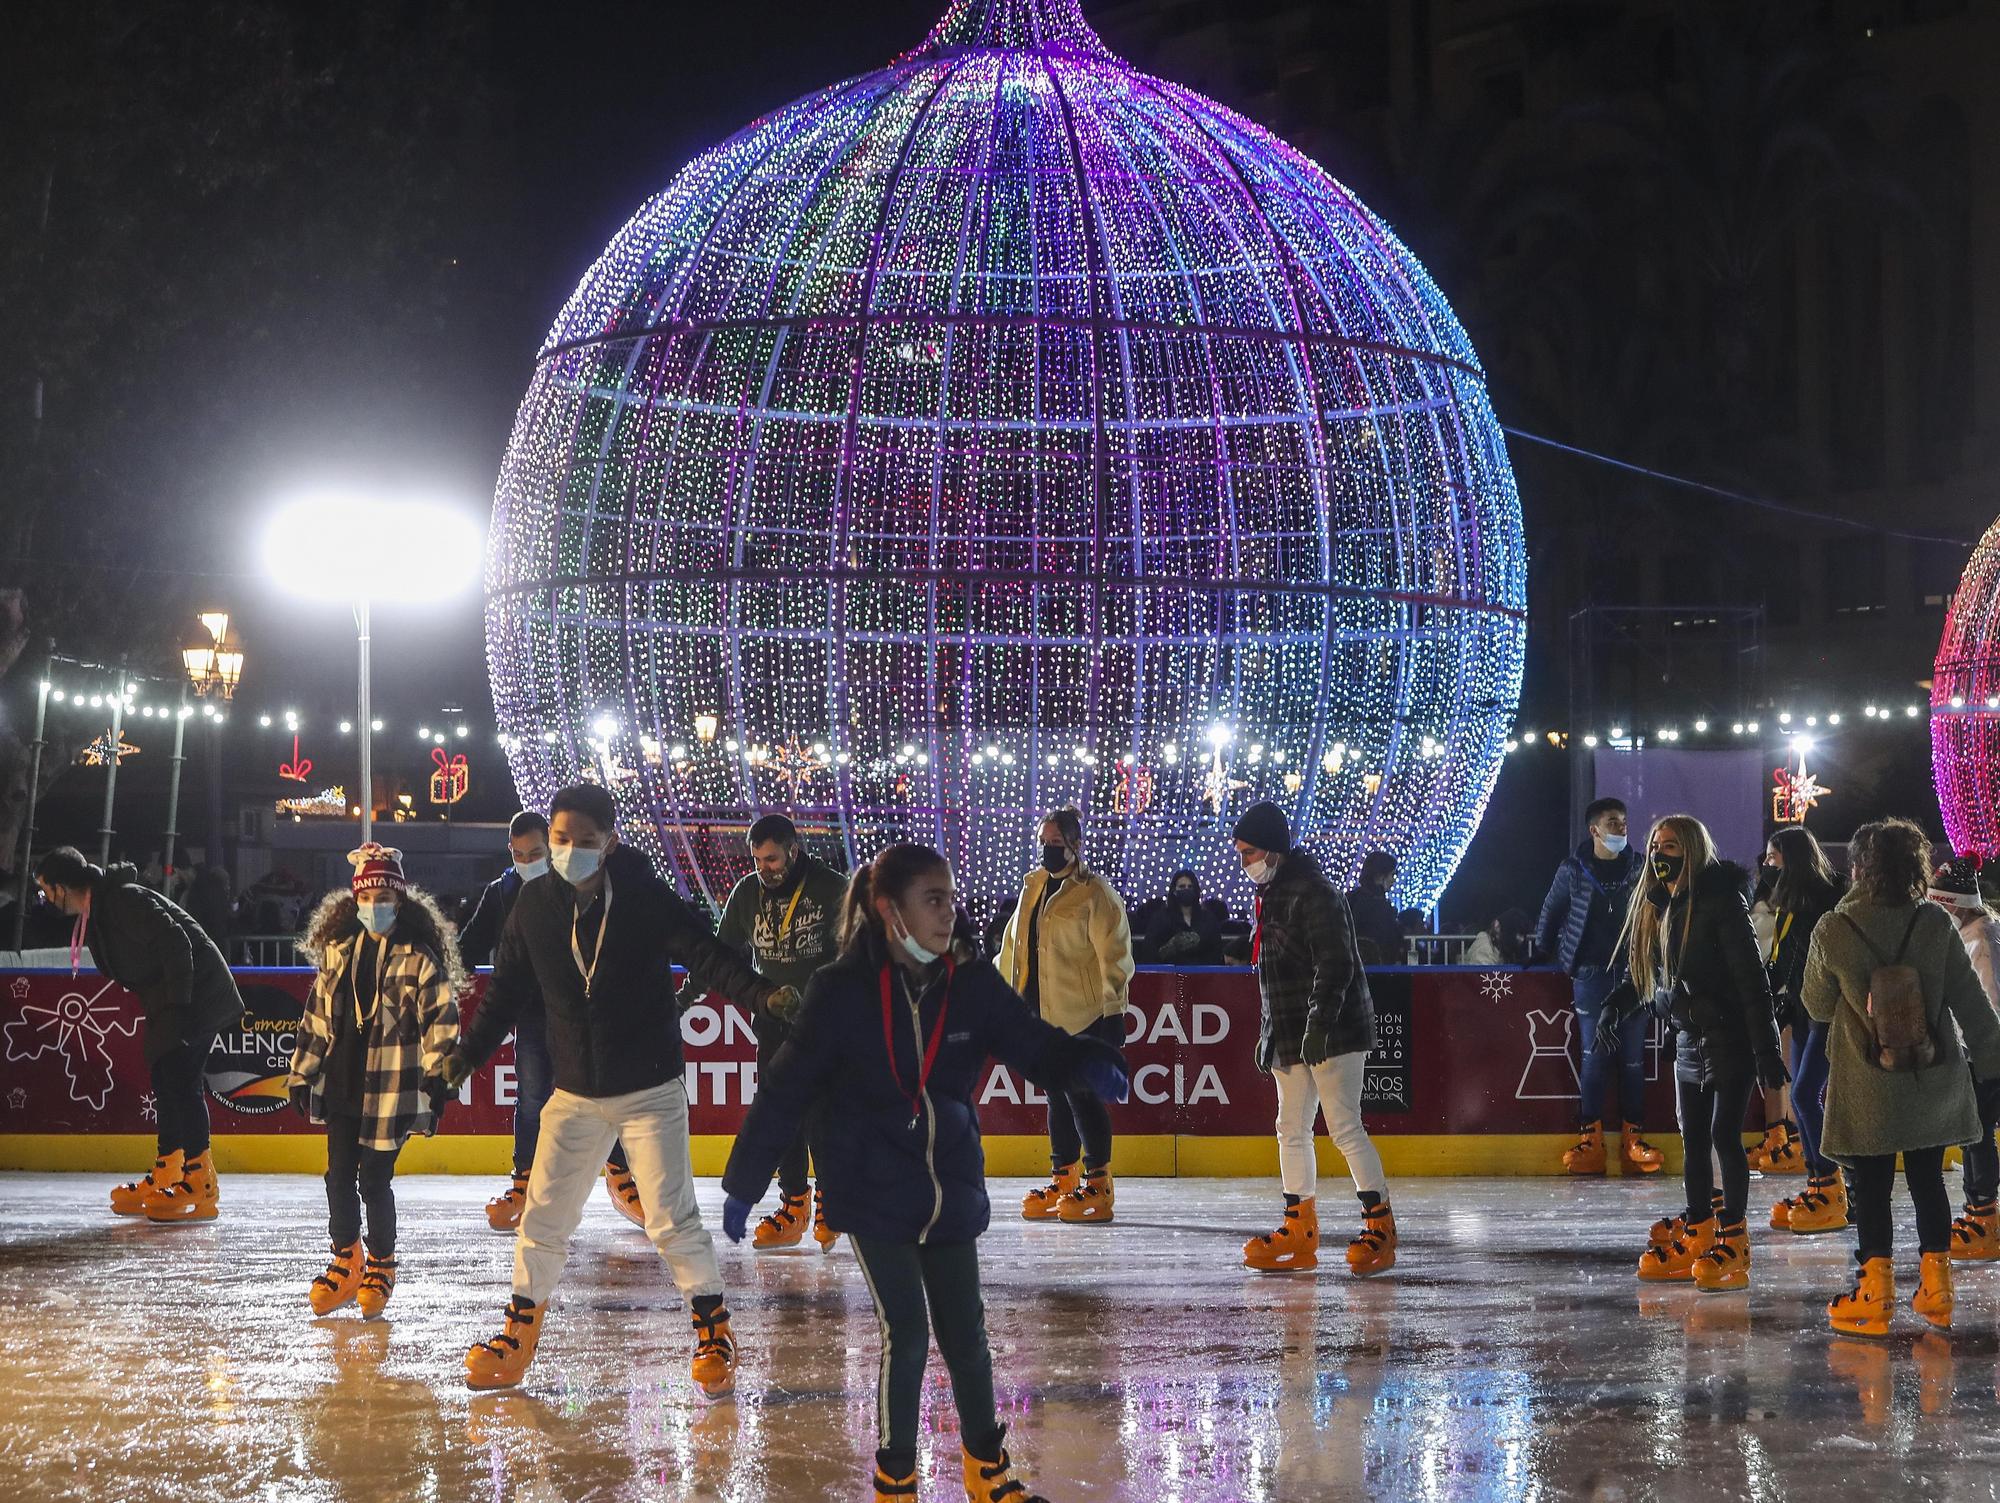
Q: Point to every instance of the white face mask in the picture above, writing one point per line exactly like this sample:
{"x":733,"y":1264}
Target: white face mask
{"x":378,"y":918}
{"x":1612,"y":843}
{"x":576,"y":863}
{"x":527,"y":871}
{"x":1261,"y":871}
{"x":916,"y":951}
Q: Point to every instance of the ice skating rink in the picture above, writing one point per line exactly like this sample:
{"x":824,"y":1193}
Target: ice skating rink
{"x":1510,"y":1354}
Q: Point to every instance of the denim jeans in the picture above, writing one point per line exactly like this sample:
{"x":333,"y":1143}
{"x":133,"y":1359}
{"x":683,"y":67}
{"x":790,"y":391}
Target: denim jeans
{"x":1588,"y":988}
{"x":534,"y":1078}
{"x":1809,"y":1093}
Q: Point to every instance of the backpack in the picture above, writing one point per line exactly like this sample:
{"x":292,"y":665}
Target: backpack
{"x":1897,"y":1020}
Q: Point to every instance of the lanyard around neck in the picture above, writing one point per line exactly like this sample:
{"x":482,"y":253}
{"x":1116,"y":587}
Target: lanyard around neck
{"x":916,"y":1097}
{"x":588,"y":972}
{"x":785,"y":924}
{"x":1778,"y":937}
{"x":362,"y":1018}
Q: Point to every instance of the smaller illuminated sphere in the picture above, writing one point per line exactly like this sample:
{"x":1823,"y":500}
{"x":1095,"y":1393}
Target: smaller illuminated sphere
{"x":1965,"y":707}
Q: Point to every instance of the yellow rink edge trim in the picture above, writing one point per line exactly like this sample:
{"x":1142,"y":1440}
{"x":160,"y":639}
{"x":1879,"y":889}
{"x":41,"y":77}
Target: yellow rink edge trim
{"x":1137,"y":1156}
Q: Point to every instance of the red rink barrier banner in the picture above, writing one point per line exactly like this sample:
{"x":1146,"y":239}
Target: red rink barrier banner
{"x":1460,"y":1053}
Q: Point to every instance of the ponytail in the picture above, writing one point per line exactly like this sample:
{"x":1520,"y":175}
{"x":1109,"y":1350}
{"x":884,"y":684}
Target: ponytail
{"x":857,"y":909}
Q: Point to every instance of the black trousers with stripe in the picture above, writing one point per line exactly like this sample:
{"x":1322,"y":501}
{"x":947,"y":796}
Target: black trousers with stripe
{"x":917,"y":1286}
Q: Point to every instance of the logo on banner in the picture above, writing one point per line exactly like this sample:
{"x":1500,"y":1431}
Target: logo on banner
{"x":248,"y":1068}
{"x":79,"y":1029}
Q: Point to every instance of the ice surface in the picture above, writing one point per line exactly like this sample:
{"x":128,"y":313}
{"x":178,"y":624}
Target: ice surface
{"x":1510,"y":1354}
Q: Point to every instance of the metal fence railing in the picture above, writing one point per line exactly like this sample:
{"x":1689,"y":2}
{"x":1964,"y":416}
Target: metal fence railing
{"x":283,"y":949}
{"x":263,"y":949}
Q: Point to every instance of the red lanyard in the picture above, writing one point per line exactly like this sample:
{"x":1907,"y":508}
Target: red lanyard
{"x":1257,"y":934}
{"x":915,"y":1098}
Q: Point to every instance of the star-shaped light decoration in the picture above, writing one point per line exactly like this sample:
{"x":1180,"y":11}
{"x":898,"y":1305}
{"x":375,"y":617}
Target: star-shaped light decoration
{"x":1217,"y":785}
{"x":103,"y":749}
{"x":1795,"y":793}
{"x":795,"y":765}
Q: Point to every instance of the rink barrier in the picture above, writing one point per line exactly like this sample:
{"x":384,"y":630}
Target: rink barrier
{"x":1474,"y":1072}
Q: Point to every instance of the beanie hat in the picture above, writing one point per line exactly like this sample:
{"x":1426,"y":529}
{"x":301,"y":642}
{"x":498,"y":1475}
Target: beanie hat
{"x":1263,"y":825}
{"x":1956,"y":884}
{"x":377,"y":868}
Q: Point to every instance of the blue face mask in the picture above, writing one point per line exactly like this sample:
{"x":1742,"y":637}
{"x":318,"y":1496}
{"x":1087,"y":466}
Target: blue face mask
{"x":576,"y":863}
{"x":527,"y":871}
{"x":377,"y":918}
{"x":1613,"y":843}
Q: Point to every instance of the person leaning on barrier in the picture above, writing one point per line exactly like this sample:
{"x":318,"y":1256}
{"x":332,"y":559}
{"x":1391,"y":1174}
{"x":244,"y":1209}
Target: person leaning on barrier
{"x":1185,"y":932}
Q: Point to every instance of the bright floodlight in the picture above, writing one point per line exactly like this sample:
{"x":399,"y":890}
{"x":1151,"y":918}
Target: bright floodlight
{"x":343,"y":547}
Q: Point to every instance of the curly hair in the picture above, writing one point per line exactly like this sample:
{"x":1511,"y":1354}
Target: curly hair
{"x":418,"y":920}
{"x":1891,"y":861}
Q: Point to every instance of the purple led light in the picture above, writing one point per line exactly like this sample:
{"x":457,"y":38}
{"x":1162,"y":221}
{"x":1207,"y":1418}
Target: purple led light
{"x":972,"y":437}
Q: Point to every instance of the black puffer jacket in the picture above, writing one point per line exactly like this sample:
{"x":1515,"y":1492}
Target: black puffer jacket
{"x":886,"y":1170}
{"x":1309,"y":965}
{"x":623,"y":1033}
{"x":1720,"y":1003}
{"x":1792,"y":942}
{"x":156,"y":951}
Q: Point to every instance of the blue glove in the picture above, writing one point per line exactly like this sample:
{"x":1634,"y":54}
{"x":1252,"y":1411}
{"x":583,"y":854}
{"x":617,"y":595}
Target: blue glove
{"x":1106,"y":1078}
{"x":1097,"y":1063}
{"x":735,"y":1217}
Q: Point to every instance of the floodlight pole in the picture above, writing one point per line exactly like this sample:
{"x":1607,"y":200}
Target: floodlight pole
{"x":34,"y":788}
{"x":365,"y":725}
{"x":174,"y":793}
{"x":111,"y":769}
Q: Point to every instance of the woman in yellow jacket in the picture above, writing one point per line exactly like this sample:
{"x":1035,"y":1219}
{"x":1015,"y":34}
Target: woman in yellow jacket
{"x":1068,"y":951}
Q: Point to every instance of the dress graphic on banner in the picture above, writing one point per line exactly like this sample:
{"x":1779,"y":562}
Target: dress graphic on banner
{"x":1550,"y":1073}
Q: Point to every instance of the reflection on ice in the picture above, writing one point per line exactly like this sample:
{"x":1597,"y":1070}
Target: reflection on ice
{"x":1509,"y":1355}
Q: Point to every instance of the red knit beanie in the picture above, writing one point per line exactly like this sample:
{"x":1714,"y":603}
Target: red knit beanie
{"x":378,"y":868}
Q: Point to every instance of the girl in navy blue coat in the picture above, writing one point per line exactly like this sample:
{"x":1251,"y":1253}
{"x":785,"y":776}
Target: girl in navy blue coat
{"x":888,"y":1046}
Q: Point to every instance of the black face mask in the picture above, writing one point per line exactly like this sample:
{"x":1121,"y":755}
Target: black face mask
{"x":1668,"y":868}
{"x":1054,"y":858}
{"x":1185,"y":896}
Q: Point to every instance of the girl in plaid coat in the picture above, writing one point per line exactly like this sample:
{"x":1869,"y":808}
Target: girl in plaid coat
{"x":381,"y":1020}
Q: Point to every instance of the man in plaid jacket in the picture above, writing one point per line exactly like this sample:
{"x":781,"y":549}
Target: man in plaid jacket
{"x":1317,"y":1029}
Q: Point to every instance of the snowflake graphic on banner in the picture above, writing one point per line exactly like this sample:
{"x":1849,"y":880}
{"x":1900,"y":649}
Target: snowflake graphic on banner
{"x":78,"y":1028}
{"x":149,"y":1108}
{"x":1496,"y":986}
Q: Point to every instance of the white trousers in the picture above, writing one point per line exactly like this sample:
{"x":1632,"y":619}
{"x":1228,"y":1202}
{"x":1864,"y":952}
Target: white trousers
{"x":577,"y":1132}
{"x":1333,"y":1086}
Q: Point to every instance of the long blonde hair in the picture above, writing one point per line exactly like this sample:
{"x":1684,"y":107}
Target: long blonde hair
{"x":1645,"y":925}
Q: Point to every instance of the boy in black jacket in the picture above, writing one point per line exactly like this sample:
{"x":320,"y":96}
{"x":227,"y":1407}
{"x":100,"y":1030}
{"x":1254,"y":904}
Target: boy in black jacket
{"x":596,"y":942}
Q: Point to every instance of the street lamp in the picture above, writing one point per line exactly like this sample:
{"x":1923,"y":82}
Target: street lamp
{"x":361,"y":550}
{"x":214,"y":667}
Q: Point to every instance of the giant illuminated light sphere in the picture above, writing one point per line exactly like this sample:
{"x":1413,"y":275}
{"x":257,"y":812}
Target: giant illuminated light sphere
{"x":1000,"y":430}
{"x":1965,"y":707}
